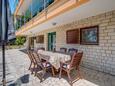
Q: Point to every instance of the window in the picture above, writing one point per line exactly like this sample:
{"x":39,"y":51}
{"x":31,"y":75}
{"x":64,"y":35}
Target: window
{"x":40,"y":39}
{"x":72,"y":36}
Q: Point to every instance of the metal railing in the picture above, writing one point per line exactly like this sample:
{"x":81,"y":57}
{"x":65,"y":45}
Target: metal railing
{"x":15,"y":5}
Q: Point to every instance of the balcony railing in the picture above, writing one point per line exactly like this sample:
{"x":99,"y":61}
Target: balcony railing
{"x":15,"y":3}
{"x":34,"y":9}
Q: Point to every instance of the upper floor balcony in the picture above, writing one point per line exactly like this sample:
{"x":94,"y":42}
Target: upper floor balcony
{"x":34,"y":8}
{"x":40,"y":11}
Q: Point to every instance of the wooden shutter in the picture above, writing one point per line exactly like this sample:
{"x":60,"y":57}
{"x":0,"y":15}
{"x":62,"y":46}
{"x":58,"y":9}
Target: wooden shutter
{"x":72,"y":36}
{"x":40,"y":39}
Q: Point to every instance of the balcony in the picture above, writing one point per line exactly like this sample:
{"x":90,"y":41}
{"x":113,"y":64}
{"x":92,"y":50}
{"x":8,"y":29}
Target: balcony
{"x":56,"y":8}
{"x":37,"y":7}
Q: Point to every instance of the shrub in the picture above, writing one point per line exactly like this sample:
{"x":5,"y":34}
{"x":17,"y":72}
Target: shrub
{"x":20,"y":40}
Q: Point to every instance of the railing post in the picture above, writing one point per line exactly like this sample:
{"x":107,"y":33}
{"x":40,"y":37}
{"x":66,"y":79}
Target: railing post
{"x":20,"y":22}
{"x":24,"y":18}
{"x":31,"y":8}
{"x":45,"y":9}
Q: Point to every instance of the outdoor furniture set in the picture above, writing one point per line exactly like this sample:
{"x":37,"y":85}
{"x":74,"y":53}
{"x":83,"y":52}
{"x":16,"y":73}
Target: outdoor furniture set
{"x":43,"y":61}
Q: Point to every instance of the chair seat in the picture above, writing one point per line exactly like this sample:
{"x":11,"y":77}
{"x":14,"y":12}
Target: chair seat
{"x":46,"y":64}
{"x":66,"y":66}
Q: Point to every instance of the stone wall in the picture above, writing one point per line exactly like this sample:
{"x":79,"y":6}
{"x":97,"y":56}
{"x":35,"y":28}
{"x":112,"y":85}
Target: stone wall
{"x":99,"y":57}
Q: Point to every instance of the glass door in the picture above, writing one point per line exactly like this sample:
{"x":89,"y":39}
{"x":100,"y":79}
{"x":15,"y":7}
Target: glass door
{"x":52,"y":41}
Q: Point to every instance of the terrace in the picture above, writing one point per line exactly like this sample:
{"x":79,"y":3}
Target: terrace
{"x":18,"y":74}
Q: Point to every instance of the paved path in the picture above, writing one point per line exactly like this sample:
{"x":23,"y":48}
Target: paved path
{"x":8,"y":73}
{"x":18,"y":74}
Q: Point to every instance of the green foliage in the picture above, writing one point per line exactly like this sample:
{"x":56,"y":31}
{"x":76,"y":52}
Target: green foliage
{"x":27,"y":15}
{"x":17,"y":24}
{"x":21,"y":19}
{"x":20,"y":40}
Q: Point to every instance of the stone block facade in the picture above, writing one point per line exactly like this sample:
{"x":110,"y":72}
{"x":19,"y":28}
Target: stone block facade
{"x":99,"y":57}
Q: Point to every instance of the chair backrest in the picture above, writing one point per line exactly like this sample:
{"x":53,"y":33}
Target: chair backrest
{"x":38,"y":60}
{"x":76,"y":59}
{"x":41,"y":48}
{"x":63,"y":50}
{"x":72,"y":50}
{"x":33,"y":56}
{"x":29,"y":55}
{"x":36,"y":57}
{"x":41,"y":70}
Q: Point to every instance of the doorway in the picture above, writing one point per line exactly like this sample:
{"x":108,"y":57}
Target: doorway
{"x":52,"y":41}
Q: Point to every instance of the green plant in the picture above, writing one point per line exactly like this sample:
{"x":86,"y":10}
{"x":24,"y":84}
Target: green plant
{"x":17,"y":26}
{"x":20,"y":40}
{"x":19,"y":21}
{"x":27,"y":15}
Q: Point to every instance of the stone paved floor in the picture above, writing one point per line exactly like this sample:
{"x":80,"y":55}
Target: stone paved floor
{"x":18,"y":75}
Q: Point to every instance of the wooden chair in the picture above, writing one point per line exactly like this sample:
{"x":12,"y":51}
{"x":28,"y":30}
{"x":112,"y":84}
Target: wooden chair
{"x":72,"y":50}
{"x":41,"y":48}
{"x":33,"y":63}
{"x":43,"y":66}
{"x":70,"y":65}
{"x":63,"y":50}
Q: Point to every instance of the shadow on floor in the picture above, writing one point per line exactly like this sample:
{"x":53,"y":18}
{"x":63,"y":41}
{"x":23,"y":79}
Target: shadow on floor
{"x":22,"y":80}
{"x":23,"y":50}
